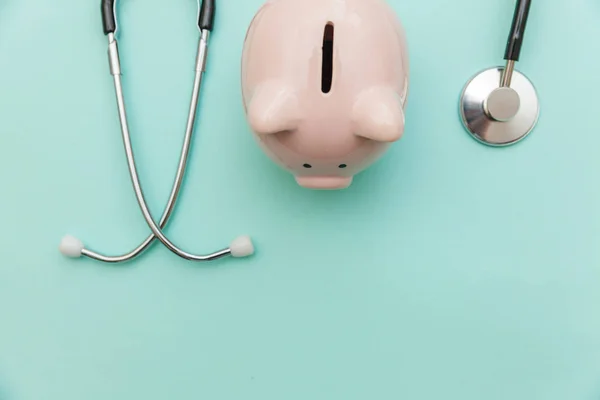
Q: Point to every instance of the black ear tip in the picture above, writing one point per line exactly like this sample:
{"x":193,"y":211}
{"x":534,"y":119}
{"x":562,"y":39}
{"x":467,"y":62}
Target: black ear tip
{"x":207,"y":15}
{"x":109,"y":23}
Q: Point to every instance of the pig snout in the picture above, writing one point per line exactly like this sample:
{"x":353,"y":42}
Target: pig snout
{"x":329,"y":176}
{"x":324,"y":182}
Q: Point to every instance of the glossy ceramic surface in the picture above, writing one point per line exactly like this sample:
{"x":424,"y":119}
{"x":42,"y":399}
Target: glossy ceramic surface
{"x":325,"y":133}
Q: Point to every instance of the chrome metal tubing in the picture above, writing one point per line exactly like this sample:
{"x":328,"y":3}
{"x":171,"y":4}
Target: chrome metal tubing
{"x":507,"y":73}
{"x":115,"y":69}
{"x":139,"y":193}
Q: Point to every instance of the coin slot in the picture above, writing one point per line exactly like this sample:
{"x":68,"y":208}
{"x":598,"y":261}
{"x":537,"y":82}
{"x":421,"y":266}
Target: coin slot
{"x":327,"y":62}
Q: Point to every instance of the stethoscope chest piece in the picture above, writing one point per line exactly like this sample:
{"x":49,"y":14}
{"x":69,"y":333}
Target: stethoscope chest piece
{"x":499,"y":106}
{"x":497,"y":114}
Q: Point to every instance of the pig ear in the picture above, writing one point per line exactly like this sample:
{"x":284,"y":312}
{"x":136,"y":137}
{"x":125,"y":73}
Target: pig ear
{"x":273,"y":108}
{"x":378,"y":115}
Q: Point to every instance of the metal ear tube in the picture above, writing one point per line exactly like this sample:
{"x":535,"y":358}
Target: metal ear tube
{"x":240,"y":247}
{"x":500,"y":106}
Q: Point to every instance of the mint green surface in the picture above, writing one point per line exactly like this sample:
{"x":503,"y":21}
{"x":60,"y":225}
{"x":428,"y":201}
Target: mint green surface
{"x":449,"y":270}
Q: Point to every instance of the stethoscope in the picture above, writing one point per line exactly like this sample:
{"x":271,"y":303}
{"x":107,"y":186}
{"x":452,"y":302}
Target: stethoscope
{"x":73,"y":247}
{"x":499,"y":106}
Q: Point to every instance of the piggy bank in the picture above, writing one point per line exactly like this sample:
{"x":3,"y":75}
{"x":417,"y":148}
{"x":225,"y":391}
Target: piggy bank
{"x":324,"y":86}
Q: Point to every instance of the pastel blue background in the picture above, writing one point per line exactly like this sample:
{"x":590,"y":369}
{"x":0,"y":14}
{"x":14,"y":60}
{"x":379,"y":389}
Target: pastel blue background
{"x":449,"y":270}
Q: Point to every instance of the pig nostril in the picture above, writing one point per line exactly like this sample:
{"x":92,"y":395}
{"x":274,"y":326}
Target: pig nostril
{"x":307,"y":166}
{"x":343,"y":166}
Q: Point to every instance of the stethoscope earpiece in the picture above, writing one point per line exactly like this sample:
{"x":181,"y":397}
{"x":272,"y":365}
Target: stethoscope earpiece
{"x":500,"y":106}
{"x":73,"y":247}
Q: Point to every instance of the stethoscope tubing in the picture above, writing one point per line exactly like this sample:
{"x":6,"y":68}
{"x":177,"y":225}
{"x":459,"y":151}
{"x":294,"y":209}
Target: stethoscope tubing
{"x":139,"y":193}
{"x":191,"y":120}
{"x":206,"y":13}
{"x":514,"y":43}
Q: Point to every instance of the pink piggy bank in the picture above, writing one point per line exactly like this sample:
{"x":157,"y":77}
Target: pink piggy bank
{"x":324,"y":86}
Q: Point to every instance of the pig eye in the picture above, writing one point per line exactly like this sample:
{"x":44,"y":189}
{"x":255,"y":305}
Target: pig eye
{"x":342,"y":166}
{"x":307,"y":166}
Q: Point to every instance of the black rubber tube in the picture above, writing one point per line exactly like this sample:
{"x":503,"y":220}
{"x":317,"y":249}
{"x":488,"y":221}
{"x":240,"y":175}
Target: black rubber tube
{"x":109,"y":23}
{"x":517,"y":31}
{"x":206,"y":19}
